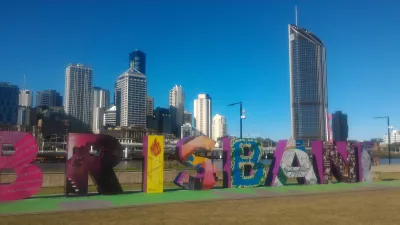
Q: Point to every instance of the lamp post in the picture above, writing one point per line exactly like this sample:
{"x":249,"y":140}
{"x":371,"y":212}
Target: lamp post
{"x":388,"y":127}
{"x":241,"y":115}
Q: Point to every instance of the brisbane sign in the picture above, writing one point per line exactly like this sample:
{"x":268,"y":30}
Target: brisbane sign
{"x":96,"y":155}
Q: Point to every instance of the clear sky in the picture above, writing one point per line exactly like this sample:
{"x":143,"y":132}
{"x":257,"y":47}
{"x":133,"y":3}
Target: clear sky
{"x":233,"y":50}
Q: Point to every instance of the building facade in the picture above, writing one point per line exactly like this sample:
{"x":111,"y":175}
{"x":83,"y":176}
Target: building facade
{"x":176,"y":104}
{"x":131,"y":99}
{"x":187,"y":117}
{"x":394,"y":137}
{"x":164,"y":122}
{"x":202,"y":114}
{"x":308,"y":86}
{"x":219,"y":127}
{"x":101,"y":102}
{"x":25,"y":98}
{"x":9,"y":101}
{"x":137,"y":60}
{"x":78,"y":92}
{"x":340,"y":128}
{"x":150,"y":106}
{"x":110,"y":117}
{"x":48,"y":98}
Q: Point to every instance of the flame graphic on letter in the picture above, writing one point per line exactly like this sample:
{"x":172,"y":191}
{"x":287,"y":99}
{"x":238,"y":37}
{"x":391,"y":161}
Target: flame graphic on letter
{"x":155,"y":148}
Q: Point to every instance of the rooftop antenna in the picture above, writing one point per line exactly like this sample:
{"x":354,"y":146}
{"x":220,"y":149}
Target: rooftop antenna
{"x":295,"y":11}
{"x":24,"y":82}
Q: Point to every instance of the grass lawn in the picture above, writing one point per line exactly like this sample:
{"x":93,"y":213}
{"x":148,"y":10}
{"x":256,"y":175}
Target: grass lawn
{"x":364,"y":207}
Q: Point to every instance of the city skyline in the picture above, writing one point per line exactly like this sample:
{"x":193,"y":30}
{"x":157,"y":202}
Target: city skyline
{"x":212,"y":44}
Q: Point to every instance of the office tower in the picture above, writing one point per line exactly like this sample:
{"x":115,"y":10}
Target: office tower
{"x":48,"y":98}
{"x":187,"y":117}
{"x":9,"y":100}
{"x":78,"y":92}
{"x":101,"y":102}
{"x":164,"y":122}
{"x":202,"y":114}
{"x":150,"y":106}
{"x":340,"y":128}
{"x":110,"y":117}
{"x":308,"y":85}
{"x":176,"y":104}
{"x":137,"y":60}
{"x":219,"y":127}
{"x":25,"y":98}
{"x":24,"y":117}
{"x":101,"y":97}
{"x":131,"y":98}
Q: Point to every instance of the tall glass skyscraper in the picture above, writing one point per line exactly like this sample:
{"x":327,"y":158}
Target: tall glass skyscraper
{"x":137,"y":60}
{"x":308,"y":85}
{"x":9,"y":98}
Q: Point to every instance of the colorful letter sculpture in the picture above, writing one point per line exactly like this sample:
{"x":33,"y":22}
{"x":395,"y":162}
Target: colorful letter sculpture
{"x":291,"y":161}
{"x":29,"y":178}
{"x":153,"y":164}
{"x":366,"y":160}
{"x":242,"y":163}
{"x":93,"y":154}
{"x":337,"y":161}
{"x":197,"y":152}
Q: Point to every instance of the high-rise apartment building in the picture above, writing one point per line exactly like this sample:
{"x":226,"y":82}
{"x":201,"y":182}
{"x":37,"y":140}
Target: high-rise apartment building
{"x":202,"y":114}
{"x":131,"y":98}
{"x":340,"y":128}
{"x":9,"y":100}
{"x":110,"y":117}
{"x":308,"y":85}
{"x":78,"y":92}
{"x":176,"y":104}
{"x":48,"y":98}
{"x":25,"y":98}
{"x":137,"y":60}
{"x":219,"y":127}
{"x":187,"y":117}
{"x":150,"y":106}
{"x":101,"y":102}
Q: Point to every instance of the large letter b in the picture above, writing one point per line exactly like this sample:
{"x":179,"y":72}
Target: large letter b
{"x":29,"y":178}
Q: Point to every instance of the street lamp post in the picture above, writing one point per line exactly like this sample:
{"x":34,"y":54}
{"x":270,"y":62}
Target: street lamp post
{"x":241,"y":117}
{"x":388,"y":127}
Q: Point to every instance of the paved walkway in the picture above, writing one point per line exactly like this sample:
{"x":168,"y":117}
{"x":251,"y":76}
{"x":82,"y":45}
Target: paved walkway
{"x":57,"y":204}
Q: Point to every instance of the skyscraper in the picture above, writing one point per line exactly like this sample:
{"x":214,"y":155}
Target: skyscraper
{"x":101,"y":97}
{"x":137,"y":60}
{"x":202,"y":114}
{"x":176,"y":104}
{"x":163,"y":118}
{"x":131,"y":98}
{"x":101,"y":102}
{"x":340,"y":128}
{"x":9,"y":100}
{"x":187,"y":117}
{"x":150,"y":106}
{"x":308,"y":85}
{"x":78,"y":92}
{"x":219,"y":127}
{"x":48,"y":98}
{"x":25,"y":98}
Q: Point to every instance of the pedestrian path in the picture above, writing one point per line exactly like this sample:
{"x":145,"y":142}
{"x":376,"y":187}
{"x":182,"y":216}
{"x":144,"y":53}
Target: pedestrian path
{"x":57,"y":204}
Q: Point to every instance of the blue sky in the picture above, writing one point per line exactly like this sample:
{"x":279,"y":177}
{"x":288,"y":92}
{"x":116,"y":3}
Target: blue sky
{"x":233,"y":50}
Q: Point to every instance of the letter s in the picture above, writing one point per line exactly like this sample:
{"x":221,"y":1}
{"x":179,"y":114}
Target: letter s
{"x":189,"y":151}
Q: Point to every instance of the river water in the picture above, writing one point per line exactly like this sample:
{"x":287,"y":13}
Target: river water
{"x":60,"y":167}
